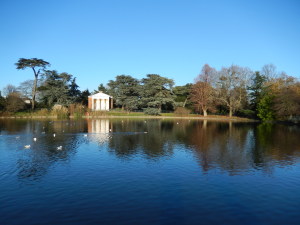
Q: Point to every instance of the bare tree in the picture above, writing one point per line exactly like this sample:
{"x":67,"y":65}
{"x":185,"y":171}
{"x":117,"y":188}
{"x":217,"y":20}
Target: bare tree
{"x":26,"y":88}
{"x":231,"y":87}
{"x":8,"y":89}
{"x":269,"y":71}
{"x":202,"y":93}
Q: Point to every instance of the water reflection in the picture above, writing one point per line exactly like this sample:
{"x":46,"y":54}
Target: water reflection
{"x":232,"y":147}
{"x":33,"y":163}
{"x":99,"y":130}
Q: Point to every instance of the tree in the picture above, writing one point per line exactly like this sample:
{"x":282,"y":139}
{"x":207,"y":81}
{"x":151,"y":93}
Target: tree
{"x":101,"y":88}
{"x":231,"y":87}
{"x":8,"y":89}
{"x":269,"y":71}
{"x":56,"y":88}
{"x":2,"y":102}
{"x":265,"y":108}
{"x":286,"y":97}
{"x":25,"y":88}
{"x":157,"y":91}
{"x":256,"y":90}
{"x":202,"y":93}
{"x":83,"y":99}
{"x":37,"y":65}
{"x":182,"y":94}
{"x":14,"y":102}
{"x":74,"y":92}
{"x":125,"y":90}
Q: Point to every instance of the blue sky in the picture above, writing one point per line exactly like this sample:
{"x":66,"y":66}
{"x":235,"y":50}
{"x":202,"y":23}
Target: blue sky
{"x":96,"y":40}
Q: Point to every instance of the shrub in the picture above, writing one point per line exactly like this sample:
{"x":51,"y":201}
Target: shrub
{"x":152,"y":111}
{"x":60,"y":112}
{"x":246,"y":113}
{"x":77,"y":110}
{"x":42,"y":112}
{"x":181,"y":111}
{"x":14,"y":102}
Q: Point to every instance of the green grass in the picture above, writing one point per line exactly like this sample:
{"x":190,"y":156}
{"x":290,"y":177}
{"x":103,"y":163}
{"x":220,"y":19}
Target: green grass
{"x":117,"y":113}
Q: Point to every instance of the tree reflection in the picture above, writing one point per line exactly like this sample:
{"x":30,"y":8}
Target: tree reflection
{"x":229,"y":146}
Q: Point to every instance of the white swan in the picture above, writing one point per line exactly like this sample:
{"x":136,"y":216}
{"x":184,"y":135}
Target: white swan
{"x":59,"y":148}
{"x":27,"y":146}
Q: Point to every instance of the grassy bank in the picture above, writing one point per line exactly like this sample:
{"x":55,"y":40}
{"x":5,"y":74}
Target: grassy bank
{"x":115,"y":114}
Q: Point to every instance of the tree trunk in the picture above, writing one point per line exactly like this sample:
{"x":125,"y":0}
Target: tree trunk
{"x":34,"y":92}
{"x":230,"y":111}
{"x":184,"y":102}
{"x":204,"y":112}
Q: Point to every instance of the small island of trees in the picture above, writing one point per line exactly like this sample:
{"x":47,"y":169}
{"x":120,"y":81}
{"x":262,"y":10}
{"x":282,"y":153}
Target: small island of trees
{"x":266,"y":95}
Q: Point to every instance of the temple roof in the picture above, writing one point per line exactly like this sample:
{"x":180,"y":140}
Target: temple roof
{"x":100,"y":95}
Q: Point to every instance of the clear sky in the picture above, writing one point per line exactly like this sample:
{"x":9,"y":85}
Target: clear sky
{"x":96,"y":40}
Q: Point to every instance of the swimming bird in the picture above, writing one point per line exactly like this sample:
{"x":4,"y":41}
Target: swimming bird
{"x":54,"y":135}
{"x":145,"y":132}
{"x":34,"y":139}
{"x":27,"y":146}
{"x":85,"y":135}
{"x":109,"y":130}
{"x":17,"y":137}
{"x":59,"y":148}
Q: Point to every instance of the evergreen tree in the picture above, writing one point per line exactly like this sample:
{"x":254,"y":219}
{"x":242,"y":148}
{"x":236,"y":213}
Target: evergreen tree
{"x":83,"y":99}
{"x":125,"y":90}
{"x":74,"y":92}
{"x":256,"y":90}
{"x":157,"y":91}
{"x":56,"y":89}
{"x":37,"y":65}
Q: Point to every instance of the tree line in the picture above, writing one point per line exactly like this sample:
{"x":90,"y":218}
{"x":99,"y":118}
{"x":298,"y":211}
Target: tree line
{"x":234,"y":90}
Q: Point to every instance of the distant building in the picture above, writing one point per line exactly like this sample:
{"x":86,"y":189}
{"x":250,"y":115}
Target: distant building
{"x":100,"y":101}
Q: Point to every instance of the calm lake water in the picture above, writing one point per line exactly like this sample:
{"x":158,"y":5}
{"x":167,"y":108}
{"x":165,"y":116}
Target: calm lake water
{"x":148,"y":172}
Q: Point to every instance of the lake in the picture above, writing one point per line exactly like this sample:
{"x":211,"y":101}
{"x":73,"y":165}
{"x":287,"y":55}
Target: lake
{"x":158,"y":171}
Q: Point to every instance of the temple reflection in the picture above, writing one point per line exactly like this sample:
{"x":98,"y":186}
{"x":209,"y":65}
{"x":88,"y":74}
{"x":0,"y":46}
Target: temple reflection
{"x":100,"y":128}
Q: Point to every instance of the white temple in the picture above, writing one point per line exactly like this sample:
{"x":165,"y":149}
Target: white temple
{"x":100,"y":101}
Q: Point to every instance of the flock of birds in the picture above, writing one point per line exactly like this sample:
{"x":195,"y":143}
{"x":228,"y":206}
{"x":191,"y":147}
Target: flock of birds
{"x":35,"y":139}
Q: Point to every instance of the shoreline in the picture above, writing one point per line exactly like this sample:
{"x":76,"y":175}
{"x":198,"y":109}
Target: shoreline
{"x":215,"y":118}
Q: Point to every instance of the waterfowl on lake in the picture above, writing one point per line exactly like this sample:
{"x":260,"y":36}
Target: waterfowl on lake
{"x":59,"y":148}
{"x":85,"y":135}
{"x":34,"y":139}
{"x":27,"y":146}
{"x":54,"y":135}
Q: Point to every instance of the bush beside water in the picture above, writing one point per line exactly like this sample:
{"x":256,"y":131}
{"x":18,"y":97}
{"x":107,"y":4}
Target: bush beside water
{"x":152,"y":111}
{"x":181,"y":111}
